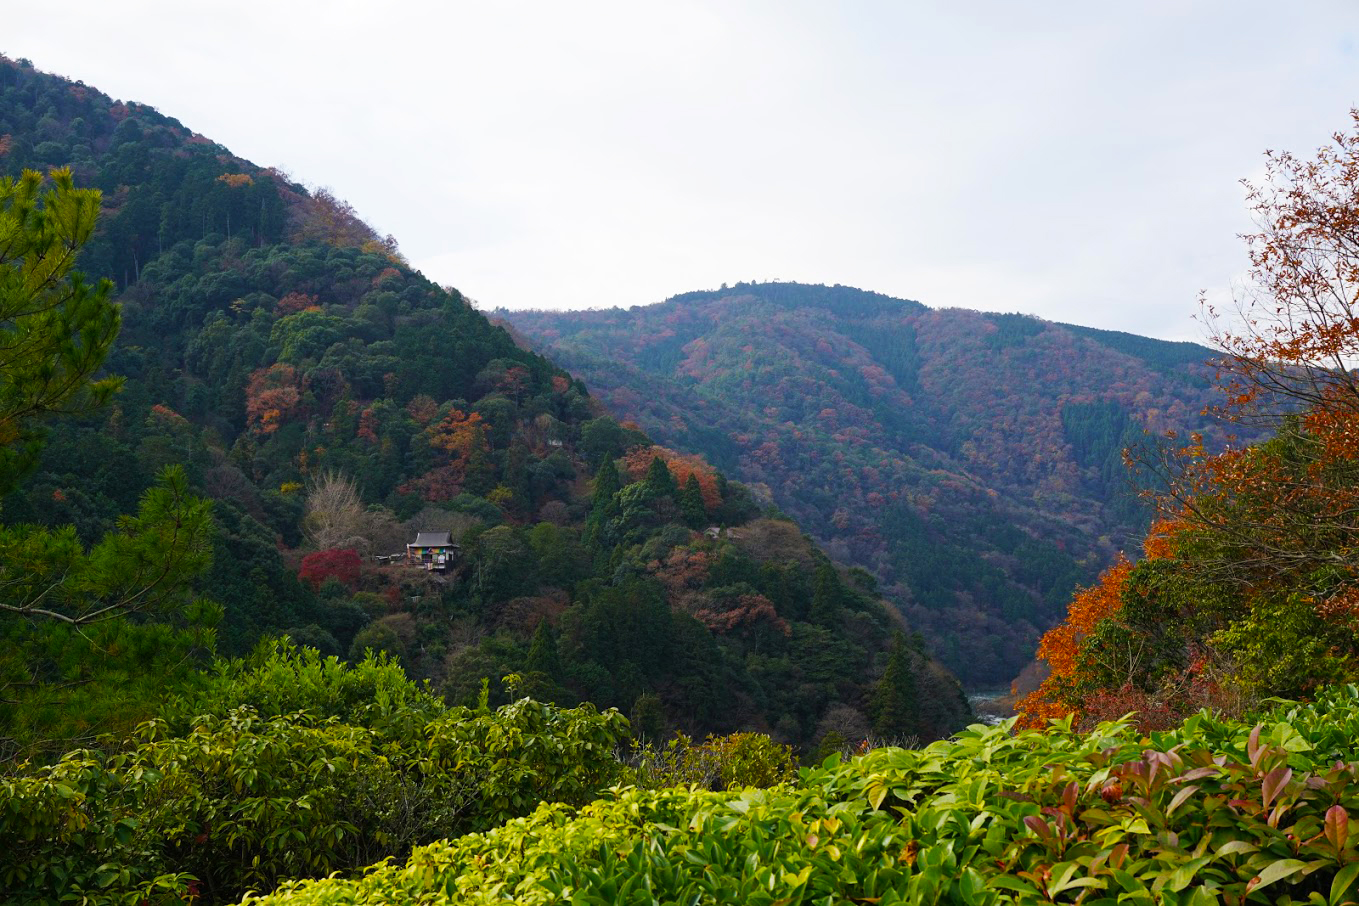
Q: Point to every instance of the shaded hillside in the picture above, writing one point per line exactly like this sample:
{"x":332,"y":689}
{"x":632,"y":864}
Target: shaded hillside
{"x":331,"y":401}
{"x":972,"y":462}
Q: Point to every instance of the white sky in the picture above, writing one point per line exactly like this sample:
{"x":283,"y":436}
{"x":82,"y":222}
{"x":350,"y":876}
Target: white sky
{"x":1075,"y":160}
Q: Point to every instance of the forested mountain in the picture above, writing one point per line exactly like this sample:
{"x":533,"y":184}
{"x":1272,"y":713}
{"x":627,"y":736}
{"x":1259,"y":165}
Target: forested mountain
{"x":971,"y":462}
{"x":228,"y":438}
{"x":330,"y":402}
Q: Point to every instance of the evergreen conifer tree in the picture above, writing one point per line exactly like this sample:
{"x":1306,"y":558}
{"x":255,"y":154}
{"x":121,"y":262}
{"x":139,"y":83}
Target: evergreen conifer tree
{"x":691,"y":503}
{"x":55,"y":329}
{"x":543,"y":656}
{"x":603,"y":504}
{"x":826,"y":604}
{"x":896,"y":710}
{"x":660,"y":479}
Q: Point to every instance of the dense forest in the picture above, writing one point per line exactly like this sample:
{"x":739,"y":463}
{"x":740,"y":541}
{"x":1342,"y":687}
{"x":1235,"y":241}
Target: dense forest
{"x":973,"y":463}
{"x":286,"y":379}
{"x":221,"y":418}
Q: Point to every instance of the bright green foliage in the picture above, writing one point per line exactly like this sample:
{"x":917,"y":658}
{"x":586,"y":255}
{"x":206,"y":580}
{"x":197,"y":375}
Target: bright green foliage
{"x":70,"y":831}
{"x":279,"y":678}
{"x":242,"y":800}
{"x":732,"y":762}
{"x":55,"y":330}
{"x":1214,"y":811}
{"x":238,"y":802}
{"x":525,"y":753}
{"x":1283,"y":647}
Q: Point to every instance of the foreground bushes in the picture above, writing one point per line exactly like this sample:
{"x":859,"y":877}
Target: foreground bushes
{"x":228,"y":802}
{"x":1213,"y":811}
{"x":734,"y":761}
{"x":256,"y":795}
{"x":281,"y":678}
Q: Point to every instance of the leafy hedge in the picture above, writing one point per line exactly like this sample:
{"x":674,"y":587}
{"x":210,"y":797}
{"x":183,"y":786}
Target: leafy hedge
{"x":1213,"y":811}
{"x":281,"y":678}
{"x":242,"y":800}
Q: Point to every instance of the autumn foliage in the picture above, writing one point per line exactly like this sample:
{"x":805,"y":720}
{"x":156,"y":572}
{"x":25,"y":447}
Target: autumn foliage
{"x":294,"y":302}
{"x":1259,"y":592}
{"x":272,"y":396}
{"x":745,"y":612}
{"x":341,"y":564}
{"x":237,"y":180}
{"x":1060,"y":646}
{"x":638,"y":460}
{"x":458,"y":434}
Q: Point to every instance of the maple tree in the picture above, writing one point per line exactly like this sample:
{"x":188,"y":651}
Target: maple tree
{"x":423,"y":409}
{"x":1286,"y":508}
{"x":1060,"y":646}
{"x":458,"y":434}
{"x":1259,"y":591}
{"x":745,"y":611}
{"x":237,"y":180}
{"x":294,"y":302}
{"x":272,"y":396}
{"x":342,"y":564}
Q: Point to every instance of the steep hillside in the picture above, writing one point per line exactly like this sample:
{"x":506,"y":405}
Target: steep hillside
{"x":972,"y":462}
{"x":332,"y":402}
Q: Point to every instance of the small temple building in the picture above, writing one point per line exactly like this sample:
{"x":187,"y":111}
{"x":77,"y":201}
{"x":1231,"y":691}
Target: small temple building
{"x":433,"y":551}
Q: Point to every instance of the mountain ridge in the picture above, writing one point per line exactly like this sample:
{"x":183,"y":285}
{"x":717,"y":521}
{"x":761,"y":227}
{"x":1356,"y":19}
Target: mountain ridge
{"x":331,"y":401}
{"x":893,"y":430}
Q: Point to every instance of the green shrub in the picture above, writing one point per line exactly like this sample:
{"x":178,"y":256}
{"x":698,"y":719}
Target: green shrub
{"x":281,"y":678}
{"x":1214,"y":811}
{"x":243,"y":801}
{"x":730,"y":762}
{"x":525,"y":753}
{"x":70,"y":831}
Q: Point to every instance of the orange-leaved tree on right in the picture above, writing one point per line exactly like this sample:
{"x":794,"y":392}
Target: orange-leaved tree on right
{"x":1251,"y":584}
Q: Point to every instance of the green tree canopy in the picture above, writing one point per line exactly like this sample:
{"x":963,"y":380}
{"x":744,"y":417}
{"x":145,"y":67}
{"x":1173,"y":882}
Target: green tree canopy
{"x":72,"y":657}
{"x":55,"y":329}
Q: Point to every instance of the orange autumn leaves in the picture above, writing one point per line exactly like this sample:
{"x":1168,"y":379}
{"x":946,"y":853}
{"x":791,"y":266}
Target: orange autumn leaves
{"x":1275,"y":525}
{"x":272,"y":396}
{"x":1060,"y":646}
{"x":635,"y":463}
{"x":458,"y":436}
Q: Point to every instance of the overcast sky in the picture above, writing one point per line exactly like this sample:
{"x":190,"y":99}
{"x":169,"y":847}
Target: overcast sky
{"x":1079,"y":161}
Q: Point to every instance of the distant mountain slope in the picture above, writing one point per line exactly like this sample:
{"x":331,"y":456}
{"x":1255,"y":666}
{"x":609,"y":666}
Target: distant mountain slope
{"x":972,"y":462}
{"x":279,"y":348}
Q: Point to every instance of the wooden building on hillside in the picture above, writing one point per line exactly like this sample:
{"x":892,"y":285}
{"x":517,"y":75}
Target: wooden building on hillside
{"x":434,"y":551}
